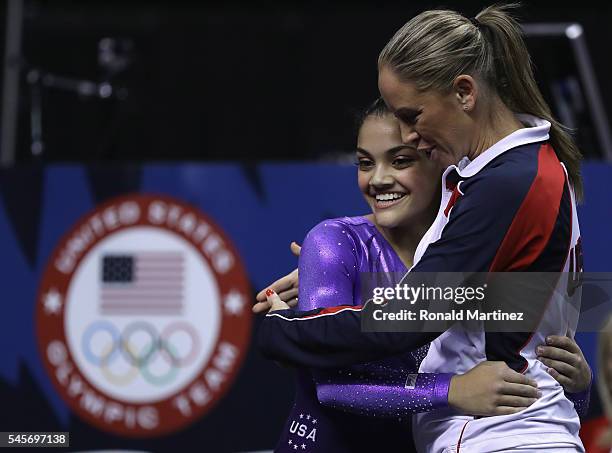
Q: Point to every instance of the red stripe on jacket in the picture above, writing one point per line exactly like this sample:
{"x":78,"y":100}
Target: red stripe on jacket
{"x":332,"y":310}
{"x":525,"y":240}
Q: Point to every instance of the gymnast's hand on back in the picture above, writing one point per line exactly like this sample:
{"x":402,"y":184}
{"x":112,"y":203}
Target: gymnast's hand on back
{"x":492,"y":388}
{"x":566,"y":363}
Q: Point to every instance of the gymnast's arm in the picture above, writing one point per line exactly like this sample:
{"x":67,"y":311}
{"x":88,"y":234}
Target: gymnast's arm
{"x":328,"y":274}
{"x":382,"y":390}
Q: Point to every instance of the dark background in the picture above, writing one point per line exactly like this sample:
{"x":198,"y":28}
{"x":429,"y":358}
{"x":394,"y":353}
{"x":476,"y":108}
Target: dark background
{"x":235,"y":80}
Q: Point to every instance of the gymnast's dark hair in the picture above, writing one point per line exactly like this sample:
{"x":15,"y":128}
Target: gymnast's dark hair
{"x":378,"y":109}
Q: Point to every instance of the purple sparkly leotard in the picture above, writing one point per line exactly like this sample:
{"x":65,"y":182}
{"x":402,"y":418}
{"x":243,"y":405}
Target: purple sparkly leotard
{"x":364,"y":407}
{"x":333,"y":255}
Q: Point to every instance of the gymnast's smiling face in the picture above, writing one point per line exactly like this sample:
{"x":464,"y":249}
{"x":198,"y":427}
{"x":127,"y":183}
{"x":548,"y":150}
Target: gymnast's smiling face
{"x":400,"y":184}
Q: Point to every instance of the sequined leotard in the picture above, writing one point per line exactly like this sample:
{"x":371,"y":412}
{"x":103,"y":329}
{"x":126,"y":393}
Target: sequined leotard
{"x":364,"y":406}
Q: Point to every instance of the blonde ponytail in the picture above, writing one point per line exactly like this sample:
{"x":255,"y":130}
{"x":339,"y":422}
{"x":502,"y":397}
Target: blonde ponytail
{"x":436,"y":46}
{"x":516,"y":83}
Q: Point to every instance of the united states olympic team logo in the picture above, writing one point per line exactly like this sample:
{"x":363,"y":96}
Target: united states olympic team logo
{"x":142,"y":315}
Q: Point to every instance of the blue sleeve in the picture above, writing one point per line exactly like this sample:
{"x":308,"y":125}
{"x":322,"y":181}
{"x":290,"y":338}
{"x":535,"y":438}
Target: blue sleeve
{"x":330,"y":338}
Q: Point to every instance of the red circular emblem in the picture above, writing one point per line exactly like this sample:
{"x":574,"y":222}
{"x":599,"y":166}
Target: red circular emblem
{"x":142,"y":315}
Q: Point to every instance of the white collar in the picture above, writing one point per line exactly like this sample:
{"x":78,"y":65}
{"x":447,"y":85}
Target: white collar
{"x":537,"y":131}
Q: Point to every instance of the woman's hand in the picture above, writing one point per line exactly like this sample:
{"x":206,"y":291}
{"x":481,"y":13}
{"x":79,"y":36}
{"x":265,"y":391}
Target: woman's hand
{"x":286,"y":287}
{"x":492,"y":388}
{"x":274,"y":301}
{"x":566,"y":363}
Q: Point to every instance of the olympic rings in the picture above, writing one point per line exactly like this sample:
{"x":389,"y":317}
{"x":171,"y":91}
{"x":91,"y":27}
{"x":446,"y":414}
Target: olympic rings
{"x":123,"y":344}
{"x":121,"y":380}
{"x":149,"y":350}
{"x":160,"y":380}
{"x":86,"y":342}
{"x":195,"y":341}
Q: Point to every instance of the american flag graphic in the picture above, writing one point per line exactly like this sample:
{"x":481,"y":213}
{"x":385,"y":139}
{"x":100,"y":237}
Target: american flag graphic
{"x":142,"y":283}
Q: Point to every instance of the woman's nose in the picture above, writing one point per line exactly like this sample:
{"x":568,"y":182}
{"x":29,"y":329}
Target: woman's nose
{"x":409,"y":135}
